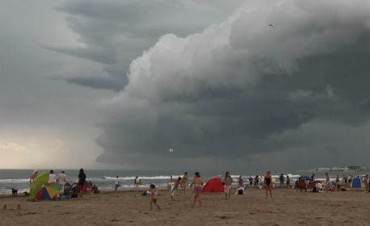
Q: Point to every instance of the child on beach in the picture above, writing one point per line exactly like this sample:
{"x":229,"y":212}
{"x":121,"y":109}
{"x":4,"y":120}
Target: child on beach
{"x":153,"y":197}
{"x":198,"y":187}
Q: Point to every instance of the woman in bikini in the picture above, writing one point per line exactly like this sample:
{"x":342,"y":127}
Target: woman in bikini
{"x":268,"y":183}
{"x":198,"y":187}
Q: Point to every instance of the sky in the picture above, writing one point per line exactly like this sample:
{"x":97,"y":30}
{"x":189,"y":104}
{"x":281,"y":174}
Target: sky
{"x":237,"y":84}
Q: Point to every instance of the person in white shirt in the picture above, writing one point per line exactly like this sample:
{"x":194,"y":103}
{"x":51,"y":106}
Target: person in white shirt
{"x":52,"y":177}
{"x":62,"y":178}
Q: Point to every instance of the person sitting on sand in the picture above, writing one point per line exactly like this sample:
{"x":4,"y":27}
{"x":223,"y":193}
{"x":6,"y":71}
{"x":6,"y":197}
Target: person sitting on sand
{"x":197,"y":183}
{"x":153,"y":197}
{"x":240,"y":189}
{"x":268,"y":184}
{"x":176,"y":187}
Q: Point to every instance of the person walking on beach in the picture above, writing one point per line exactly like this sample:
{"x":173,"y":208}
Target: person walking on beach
{"x":175,"y":188}
{"x":153,"y":197}
{"x":81,"y":182}
{"x":116,"y":184}
{"x":197,"y":183}
{"x":227,"y":185}
{"x":268,"y":184}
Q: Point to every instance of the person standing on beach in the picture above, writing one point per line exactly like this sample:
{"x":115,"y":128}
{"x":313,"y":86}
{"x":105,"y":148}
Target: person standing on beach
{"x":327,"y":179}
{"x":256,"y":181}
{"x":288,"y":181}
{"x":184,"y":182}
{"x":227,"y":185}
{"x":52,"y":177}
{"x":33,"y":176}
{"x":250,"y":181}
{"x":136,"y":182}
{"x":62,"y":180}
{"x":281,"y":178}
{"x":81,"y":185}
{"x":312,"y":177}
{"x":116,"y":184}
{"x":198,"y":187}
{"x":268,"y":184}
{"x":153,"y":197}
{"x":366,"y":182}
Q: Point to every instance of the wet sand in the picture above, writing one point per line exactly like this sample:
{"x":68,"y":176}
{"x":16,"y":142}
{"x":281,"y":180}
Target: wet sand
{"x":287,"y":207}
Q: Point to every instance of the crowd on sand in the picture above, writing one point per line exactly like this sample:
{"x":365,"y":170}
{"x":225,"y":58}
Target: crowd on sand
{"x":68,"y":189}
{"x":179,"y":185}
{"x":267,"y":182}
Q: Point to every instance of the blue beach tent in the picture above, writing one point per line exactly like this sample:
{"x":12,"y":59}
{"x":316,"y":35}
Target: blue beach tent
{"x":356,"y":183}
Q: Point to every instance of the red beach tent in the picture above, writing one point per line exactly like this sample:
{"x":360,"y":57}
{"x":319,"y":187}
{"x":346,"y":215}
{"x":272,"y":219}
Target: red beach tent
{"x":214,"y":185}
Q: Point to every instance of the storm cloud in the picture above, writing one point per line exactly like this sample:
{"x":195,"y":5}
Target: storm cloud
{"x":113,"y":33}
{"x":275,"y":78}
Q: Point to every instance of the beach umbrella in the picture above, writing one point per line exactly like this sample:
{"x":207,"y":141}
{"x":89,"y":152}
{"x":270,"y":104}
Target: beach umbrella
{"x":40,"y":180}
{"x":49,"y":191}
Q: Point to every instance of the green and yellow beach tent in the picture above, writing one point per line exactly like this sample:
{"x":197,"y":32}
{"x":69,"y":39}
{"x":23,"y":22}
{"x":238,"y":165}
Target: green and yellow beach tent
{"x":40,"y":180}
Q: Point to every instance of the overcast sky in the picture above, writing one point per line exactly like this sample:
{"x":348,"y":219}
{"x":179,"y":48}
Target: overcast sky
{"x":231,"y":84}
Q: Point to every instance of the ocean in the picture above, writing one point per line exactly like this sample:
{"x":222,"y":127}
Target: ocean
{"x":105,"y":179}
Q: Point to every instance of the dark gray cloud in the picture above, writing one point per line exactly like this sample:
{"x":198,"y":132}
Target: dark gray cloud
{"x":116,"y":32}
{"x":244,"y":89}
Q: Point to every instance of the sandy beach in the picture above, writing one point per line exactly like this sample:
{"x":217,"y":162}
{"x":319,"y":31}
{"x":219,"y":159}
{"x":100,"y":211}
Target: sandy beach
{"x":287,"y":207}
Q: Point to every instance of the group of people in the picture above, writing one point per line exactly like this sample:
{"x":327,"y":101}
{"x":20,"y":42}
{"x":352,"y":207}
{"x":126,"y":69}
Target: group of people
{"x":258,"y":181}
{"x":67,"y":188}
{"x":180,"y":183}
{"x":197,"y":186}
